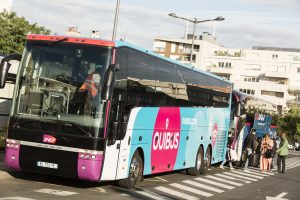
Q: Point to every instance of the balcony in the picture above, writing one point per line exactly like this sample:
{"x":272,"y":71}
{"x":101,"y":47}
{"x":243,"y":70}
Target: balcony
{"x":293,"y":102}
{"x":271,"y":86}
{"x":294,"y":89}
{"x":276,"y":74}
{"x":218,"y":70}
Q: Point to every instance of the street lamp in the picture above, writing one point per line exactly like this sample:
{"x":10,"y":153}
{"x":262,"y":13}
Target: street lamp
{"x":195,"y":21}
{"x":116,"y":21}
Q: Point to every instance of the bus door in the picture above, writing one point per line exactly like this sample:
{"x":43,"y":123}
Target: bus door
{"x":115,"y":134}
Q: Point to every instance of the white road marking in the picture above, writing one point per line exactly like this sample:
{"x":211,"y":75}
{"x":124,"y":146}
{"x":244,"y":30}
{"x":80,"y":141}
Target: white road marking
{"x":232,"y":178}
{"x":200,"y":185}
{"x":126,"y":195}
{"x":98,"y":189}
{"x":248,"y":174}
{"x":224,"y":180}
{"x":199,"y":192}
{"x":239,"y":176}
{"x":55,"y":192}
{"x":258,"y":170}
{"x":215,"y":183}
{"x":176,"y":193}
{"x":257,"y":173}
{"x":157,"y":179}
{"x":152,"y":195}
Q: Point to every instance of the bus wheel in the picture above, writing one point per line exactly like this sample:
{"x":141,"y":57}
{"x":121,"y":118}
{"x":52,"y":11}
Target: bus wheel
{"x":135,"y":172}
{"x":208,"y":159}
{"x":199,"y":165}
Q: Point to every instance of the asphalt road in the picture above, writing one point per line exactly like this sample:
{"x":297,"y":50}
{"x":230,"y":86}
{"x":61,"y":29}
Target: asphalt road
{"x":216,"y":184}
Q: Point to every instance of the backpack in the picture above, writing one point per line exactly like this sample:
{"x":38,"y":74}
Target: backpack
{"x":273,"y":150}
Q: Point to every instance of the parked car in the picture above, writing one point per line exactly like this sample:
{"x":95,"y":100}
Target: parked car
{"x":290,"y":146}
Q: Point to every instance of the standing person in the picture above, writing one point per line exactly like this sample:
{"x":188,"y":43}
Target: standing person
{"x":228,"y":158}
{"x":250,"y":145}
{"x":265,"y":159}
{"x":282,"y":152}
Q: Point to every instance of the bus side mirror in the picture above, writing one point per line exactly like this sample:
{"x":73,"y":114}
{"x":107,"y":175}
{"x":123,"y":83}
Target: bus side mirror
{"x":4,"y":67}
{"x":109,"y":80}
{"x":113,"y":133}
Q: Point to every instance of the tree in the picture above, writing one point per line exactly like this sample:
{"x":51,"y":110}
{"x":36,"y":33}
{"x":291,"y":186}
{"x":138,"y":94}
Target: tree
{"x":291,"y":123}
{"x":13,"y":31}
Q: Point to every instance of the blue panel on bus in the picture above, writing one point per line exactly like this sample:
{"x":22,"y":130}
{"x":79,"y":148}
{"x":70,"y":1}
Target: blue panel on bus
{"x":170,"y":136}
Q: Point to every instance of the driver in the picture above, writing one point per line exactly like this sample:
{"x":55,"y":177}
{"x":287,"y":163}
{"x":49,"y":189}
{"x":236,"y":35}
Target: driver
{"x":92,"y":82}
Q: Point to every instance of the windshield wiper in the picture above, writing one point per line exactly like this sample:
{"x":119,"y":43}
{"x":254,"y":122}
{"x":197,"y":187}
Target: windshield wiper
{"x":57,"y":41}
{"x":85,"y":132}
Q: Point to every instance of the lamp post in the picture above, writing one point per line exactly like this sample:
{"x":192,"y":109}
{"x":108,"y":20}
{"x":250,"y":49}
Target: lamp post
{"x":195,"y":21}
{"x":116,"y":21}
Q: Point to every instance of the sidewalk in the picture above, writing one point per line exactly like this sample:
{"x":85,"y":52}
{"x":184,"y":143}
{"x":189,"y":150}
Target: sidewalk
{"x":3,"y":170}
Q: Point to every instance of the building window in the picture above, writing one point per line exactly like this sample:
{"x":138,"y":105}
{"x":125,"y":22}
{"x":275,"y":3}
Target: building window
{"x":159,"y":46}
{"x":225,"y":76}
{"x":250,"y":79}
{"x":173,"y":47}
{"x":273,"y":94}
{"x":298,"y":69}
{"x":160,"y":49}
{"x":224,"y":65}
{"x":248,"y":91}
{"x":274,"y":56}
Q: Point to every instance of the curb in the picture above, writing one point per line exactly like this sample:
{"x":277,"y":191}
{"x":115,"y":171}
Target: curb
{"x":5,"y":175}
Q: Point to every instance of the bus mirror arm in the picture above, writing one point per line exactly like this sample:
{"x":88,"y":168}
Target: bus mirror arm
{"x":238,"y":112}
{"x":109,"y":80}
{"x":4,"y":67}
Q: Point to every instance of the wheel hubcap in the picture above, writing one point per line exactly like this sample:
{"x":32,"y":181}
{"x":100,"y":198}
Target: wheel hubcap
{"x":198,"y":161}
{"x":134,"y":169}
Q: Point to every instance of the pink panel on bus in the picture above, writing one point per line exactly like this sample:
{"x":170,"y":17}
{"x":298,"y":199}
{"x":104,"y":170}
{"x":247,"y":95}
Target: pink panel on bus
{"x":165,"y":139}
{"x":214,"y":135}
{"x":89,"y":168}
{"x":12,"y":158}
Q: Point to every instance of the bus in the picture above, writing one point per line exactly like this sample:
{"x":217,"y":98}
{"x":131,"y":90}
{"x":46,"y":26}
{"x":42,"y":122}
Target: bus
{"x":150,"y":115}
{"x":250,"y":112}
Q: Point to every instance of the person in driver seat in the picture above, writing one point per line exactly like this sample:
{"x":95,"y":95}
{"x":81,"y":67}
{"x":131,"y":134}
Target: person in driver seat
{"x":92,"y":82}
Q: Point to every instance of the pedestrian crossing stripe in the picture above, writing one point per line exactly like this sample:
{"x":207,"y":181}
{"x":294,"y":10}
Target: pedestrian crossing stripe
{"x":205,"y":186}
{"x":176,"y":193}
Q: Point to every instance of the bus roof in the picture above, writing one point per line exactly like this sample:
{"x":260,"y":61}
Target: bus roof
{"x":71,"y":39}
{"x":122,"y":43}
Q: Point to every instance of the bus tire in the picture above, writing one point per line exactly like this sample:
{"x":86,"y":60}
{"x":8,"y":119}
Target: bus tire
{"x":208,"y":159}
{"x":135,"y":172}
{"x":199,"y":164}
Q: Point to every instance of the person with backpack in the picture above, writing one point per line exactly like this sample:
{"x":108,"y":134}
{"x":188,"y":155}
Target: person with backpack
{"x":274,"y":155}
{"x":282,"y":152}
{"x":250,"y":144}
{"x":228,"y":158}
{"x":266,"y":153}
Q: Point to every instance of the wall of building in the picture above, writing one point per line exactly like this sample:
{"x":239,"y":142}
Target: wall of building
{"x":272,"y":74}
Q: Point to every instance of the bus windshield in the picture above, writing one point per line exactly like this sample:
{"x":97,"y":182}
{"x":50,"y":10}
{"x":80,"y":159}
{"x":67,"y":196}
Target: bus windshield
{"x":62,"y":82}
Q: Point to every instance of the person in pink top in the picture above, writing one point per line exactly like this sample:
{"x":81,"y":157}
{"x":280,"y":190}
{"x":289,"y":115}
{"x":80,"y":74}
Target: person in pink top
{"x":265,"y":161}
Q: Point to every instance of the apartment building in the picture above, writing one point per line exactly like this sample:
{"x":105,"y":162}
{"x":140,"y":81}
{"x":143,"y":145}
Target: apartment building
{"x":269,"y":73}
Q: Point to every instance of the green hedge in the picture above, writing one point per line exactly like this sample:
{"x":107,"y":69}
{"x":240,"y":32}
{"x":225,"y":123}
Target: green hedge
{"x":2,"y":139}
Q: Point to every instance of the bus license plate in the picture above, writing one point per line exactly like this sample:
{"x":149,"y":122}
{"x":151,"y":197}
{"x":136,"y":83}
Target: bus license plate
{"x":47,"y":165}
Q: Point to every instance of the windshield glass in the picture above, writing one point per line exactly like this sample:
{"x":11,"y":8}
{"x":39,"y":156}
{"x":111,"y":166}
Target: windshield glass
{"x":62,"y":82}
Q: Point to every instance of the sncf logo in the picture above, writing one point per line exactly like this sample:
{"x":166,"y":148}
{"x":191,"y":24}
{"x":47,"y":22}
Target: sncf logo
{"x":49,"y":139}
{"x":260,"y":117}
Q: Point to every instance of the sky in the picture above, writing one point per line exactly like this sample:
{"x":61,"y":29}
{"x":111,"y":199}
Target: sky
{"x":272,"y":23}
